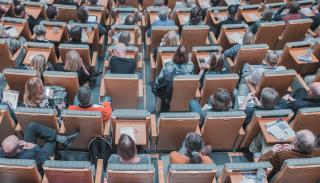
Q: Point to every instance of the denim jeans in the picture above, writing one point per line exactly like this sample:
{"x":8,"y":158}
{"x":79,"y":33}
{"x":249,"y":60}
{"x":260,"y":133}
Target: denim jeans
{"x":194,"y":106}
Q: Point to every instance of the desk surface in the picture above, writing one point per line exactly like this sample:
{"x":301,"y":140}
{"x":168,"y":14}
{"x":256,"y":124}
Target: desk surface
{"x":217,"y":17}
{"x":230,"y":32}
{"x":35,"y":51}
{"x":237,"y":178}
{"x":34,"y":11}
{"x":251,"y":16}
{"x":295,"y":52}
{"x":19,"y":27}
{"x":54,"y":33}
{"x":98,"y":14}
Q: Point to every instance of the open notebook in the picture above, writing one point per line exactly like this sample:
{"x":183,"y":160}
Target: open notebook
{"x":11,"y":97}
{"x":280,"y":130}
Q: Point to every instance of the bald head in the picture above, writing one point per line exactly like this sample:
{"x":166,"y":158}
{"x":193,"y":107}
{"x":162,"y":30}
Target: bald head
{"x":10,"y":145}
{"x":305,"y":141}
{"x":315,"y":90}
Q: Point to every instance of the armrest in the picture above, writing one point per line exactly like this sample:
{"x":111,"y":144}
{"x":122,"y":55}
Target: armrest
{"x":94,"y":59}
{"x":160,"y":172}
{"x":106,"y":65}
{"x":154,"y":134}
{"x":102,"y":88}
{"x":251,"y":87}
{"x":230,"y":63}
{"x":148,"y":40}
{"x":18,"y":131}
{"x":143,"y":21}
{"x":101,"y":41}
{"x":99,"y":171}
{"x":198,"y":130}
{"x":239,"y":138}
{"x":106,"y":131}
{"x":153,"y":67}
{"x":140,"y":92}
{"x":213,"y":38}
{"x":313,"y":34}
{"x":298,"y":82}
{"x":15,"y":56}
{"x":139,"y":62}
{"x":45,"y":179}
{"x":62,"y":129}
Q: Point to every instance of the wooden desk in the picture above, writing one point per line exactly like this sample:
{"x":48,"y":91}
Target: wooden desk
{"x":267,"y":136}
{"x":251,"y":16}
{"x":304,"y":68}
{"x":54,"y":35}
{"x":217,"y":17}
{"x":98,"y":14}
{"x":34,"y":11}
{"x":35,"y":51}
{"x":183,"y":17}
{"x":19,"y":27}
{"x":230,"y":32}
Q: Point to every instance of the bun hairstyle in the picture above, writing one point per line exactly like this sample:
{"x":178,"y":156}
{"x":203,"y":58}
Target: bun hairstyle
{"x":194,"y":144}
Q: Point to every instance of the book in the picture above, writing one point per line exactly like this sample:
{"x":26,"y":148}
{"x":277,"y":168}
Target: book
{"x":128,"y":131}
{"x":11,"y":97}
{"x":280,"y":130}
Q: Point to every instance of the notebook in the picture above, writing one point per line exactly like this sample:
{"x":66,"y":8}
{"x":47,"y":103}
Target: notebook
{"x":12,"y":31}
{"x":280,"y":130}
{"x":92,"y":18}
{"x":236,"y":37}
{"x":11,"y":97}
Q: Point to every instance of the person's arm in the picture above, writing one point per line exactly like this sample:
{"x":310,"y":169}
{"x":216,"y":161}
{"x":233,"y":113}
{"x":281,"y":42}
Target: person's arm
{"x":233,"y":51}
{"x":246,"y":100}
{"x":277,"y":15}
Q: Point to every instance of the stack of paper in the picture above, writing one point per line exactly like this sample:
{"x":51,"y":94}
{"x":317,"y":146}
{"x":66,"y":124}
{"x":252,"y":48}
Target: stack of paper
{"x":92,"y":18}
{"x":11,"y":97}
{"x":236,"y":37}
{"x":280,"y":130}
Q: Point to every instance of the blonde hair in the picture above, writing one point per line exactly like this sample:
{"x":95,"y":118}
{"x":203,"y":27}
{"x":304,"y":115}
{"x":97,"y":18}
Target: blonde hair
{"x":171,"y":38}
{"x":271,"y":59}
{"x":73,"y":61}
{"x":39,"y":64}
{"x":33,"y":92}
{"x":248,"y":38}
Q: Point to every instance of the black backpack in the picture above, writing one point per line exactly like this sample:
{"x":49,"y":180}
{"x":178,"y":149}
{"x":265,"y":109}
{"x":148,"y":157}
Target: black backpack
{"x":99,"y":148}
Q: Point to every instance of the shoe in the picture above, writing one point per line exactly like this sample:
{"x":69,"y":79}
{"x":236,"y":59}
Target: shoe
{"x":70,"y":138}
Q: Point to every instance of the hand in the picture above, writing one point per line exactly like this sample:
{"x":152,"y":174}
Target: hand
{"x":276,"y":148}
{"x":288,"y":98}
{"x":281,"y":147}
{"x":28,"y":145}
{"x":204,"y":66}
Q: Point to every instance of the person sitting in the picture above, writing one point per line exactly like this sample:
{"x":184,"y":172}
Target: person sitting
{"x":193,"y":151}
{"x":14,"y":45}
{"x":83,"y":16}
{"x":121,"y":3}
{"x":67,"y":2}
{"x":179,"y":65}
{"x":52,"y":13}
{"x":75,"y":35}
{"x":316,"y":19}
{"x":130,"y":20}
{"x":34,"y":95}
{"x":127,"y":152}
{"x":248,"y":39}
{"x":215,"y":65}
{"x":293,"y":13}
{"x":40,"y":34}
{"x":39,"y":64}
{"x":119,"y":64}
{"x":170,"y":39}
{"x":195,"y":16}
{"x":74,"y":63}
{"x":232,"y":11}
{"x":124,"y":38}
{"x":85,"y":103}
{"x":269,"y":100}
{"x":20,"y":12}
{"x":266,"y":17}
{"x":14,"y":148}
{"x":219,"y":101}
{"x":303,"y":146}
{"x":162,"y":21}
{"x":302,"y":98}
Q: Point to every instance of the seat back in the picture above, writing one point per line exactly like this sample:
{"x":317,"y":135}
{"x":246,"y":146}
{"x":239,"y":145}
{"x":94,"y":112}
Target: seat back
{"x":222,"y":125}
{"x":227,"y":30}
{"x":294,"y":30}
{"x":190,"y":173}
{"x":253,"y":127}
{"x":83,"y":50}
{"x":7,"y":125}
{"x":307,"y":118}
{"x":17,"y":78}
{"x":89,"y":123}
{"x":46,"y":49}
{"x":242,"y":168}
{"x":20,"y":24}
{"x":6,"y":56}
{"x":92,"y":32}
{"x":123,"y":89}
{"x":188,"y":38}
{"x":19,"y":170}
{"x":268,"y":33}
{"x":68,"y":171}
{"x":136,"y":173}
{"x":251,"y":54}
{"x":299,"y":170}
{"x":67,"y":80}
{"x":66,"y":12}
{"x":52,"y":35}
{"x":284,"y":79}
{"x":173,"y":128}
{"x":35,"y":9}
{"x":46,"y":117}
{"x":132,"y":29}
{"x":215,"y":81}
{"x":157,"y":34}
{"x":184,"y":89}
{"x":202,"y":52}
{"x":134,"y":120}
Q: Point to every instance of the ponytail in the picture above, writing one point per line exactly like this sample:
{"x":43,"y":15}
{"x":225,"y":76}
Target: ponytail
{"x":195,"y":158}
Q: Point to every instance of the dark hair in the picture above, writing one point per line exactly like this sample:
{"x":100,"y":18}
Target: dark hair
{"x":195,"y":15}
{"x":94,"y":2}
{"x":19,"y":9}
{"x":216,"y":62}
{"x":83,"y":14}
{"x":221,"y":100}
{"x":194,"y":144}
{"x":232,"y":10}
{"x":269,"y":98}
{"x":122,"y":2}
{"x":130,"y":20}
{"x":181,"y":55}
{"x":127,"y":148}
{"x":267,"y":14}
{"x":51,"y":12}
{"x":76,"y":33}
{"x":124,"y":38}
{"x":84,"y":96}
{"x":294,"y":7}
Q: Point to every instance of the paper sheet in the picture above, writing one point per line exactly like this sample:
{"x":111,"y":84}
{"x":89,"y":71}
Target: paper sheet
{"x":236,"y":37}
{"x":254,"y":17}
{"x":305,"y":11}
{"x":84,"y":37}
{"x":129,"y":131}
{"x":280,"y":130}
{"x":92,"y":18}
{"x":12,"y":32}
{"x":185,"y":19}
{"x":166,"y":60}
{"x":11,"y":97}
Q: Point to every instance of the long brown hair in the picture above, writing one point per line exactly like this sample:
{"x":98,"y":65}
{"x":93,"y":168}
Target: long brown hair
{"x":216,"y":62}
{"x":73,"y":61}
{"x":181,"y":55}
{"x":39,"y":64}
{"x":33,"y":92}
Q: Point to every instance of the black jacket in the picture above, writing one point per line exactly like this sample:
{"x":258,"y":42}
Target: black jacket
{"x":119,"y":65}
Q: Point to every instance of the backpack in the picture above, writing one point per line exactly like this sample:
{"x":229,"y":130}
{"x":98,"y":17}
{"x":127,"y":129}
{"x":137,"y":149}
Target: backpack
{"x":99,"y":148}
{"x":58,"y":98}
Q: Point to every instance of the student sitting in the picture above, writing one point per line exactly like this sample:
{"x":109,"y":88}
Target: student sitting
{"x":127,"y":152}
{"x":39,"y":64}
{"x":248,"y":39}
{"x":232,"y":11}
{"x":193,"y":151}
{"x":119,"y":64}
{"x":75,"y":35}
{"x":170,"y":39}
{"x":266,"y":17}
{"x":195,"y":16}
{"x":40,"y":34}
{"x":293,"y":13}
{"x":162,"y":21}
{"x":83,"y":15}
{"x":52,"y":13}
